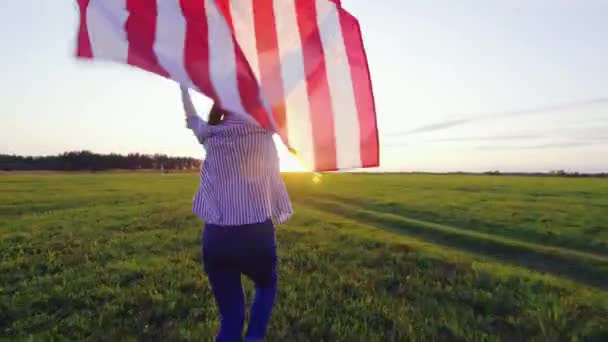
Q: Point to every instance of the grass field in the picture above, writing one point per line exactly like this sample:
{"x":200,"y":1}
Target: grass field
{"x":366,"y":258}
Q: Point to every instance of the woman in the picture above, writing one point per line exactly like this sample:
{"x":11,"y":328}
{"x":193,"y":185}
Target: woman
{"x":241,"y":194}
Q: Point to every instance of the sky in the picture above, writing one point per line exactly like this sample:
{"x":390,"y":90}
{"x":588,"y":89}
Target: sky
{"x":469,"y":85}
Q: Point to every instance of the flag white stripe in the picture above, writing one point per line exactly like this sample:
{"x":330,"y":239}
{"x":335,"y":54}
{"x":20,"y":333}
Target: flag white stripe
{"x":106,"y":21}
{"x":105,"y":24}
{"x":244,"y":27}
{"x":299,"y":126}
{"x":170,"y":39}
{"x":222,"y":61}
{"x":346,"y":119}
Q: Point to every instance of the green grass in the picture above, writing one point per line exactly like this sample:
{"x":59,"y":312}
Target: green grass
{"x":366,"y":258}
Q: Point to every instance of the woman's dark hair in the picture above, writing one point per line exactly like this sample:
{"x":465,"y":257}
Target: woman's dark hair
{"x":216,"y":115}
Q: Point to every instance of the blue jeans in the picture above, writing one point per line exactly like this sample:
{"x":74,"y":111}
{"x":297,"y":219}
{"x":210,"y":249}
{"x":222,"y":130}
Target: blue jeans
{"x":229,"y":252}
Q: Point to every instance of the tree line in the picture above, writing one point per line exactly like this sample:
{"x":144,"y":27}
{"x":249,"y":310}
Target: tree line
{"x":89,"y":161}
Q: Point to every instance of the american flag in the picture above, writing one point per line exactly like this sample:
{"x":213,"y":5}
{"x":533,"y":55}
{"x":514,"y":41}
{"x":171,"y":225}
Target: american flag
{"x":297,"y":67}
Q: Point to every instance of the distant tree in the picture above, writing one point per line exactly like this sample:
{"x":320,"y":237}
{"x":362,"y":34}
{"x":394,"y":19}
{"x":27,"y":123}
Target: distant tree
{"x":86,"y":160}
{"x":559,"y":173}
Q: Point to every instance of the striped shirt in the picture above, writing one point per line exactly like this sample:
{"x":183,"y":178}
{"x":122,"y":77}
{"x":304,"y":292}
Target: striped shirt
{"x":240,"y":181}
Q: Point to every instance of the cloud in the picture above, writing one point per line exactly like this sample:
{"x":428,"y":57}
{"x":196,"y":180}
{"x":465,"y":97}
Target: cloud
{"x":489,"y":138}
{"x":394,"y":145}
{"x":546,"y":109}
{"x":499,"y":115}
{"x":558,"y":145}
{"x":437,"y":126}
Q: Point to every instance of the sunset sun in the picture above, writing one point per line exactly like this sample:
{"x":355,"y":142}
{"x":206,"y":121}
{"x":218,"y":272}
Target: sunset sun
{"x":289,"y":162}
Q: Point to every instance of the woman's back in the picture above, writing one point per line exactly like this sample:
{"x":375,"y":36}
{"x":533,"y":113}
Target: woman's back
{"x":239,"y":149}
{"x":240,"y":176}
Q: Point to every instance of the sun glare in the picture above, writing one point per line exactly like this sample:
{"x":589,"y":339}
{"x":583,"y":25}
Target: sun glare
{"x":289,"y":162}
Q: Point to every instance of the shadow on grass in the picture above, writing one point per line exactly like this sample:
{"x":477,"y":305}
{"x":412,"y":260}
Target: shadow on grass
{"x":580,"y":267}
{"x":545,"y":238}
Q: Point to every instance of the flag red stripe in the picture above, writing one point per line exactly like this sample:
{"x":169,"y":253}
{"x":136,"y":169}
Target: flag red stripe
{"x":83,"y":48}
{"x":321,"y":113}
{"x":270,"y":60}
{"x":140,"y":28}
{"x":141,"y":34}
{"x":196,"y":47}
{"x":362,"y":87}
{"x":248,"y":87}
